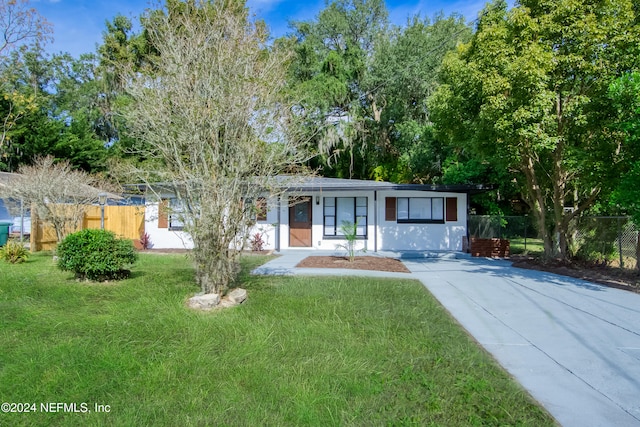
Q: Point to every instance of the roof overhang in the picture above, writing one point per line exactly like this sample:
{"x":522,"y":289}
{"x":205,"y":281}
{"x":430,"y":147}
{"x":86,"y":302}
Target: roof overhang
{"x":299,"y":184}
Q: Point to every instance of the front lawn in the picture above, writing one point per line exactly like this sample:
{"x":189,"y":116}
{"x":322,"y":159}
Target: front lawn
{"x":300,"y":351}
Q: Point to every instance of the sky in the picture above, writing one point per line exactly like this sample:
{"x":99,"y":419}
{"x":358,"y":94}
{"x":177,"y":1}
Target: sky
{"x":79,"y":24}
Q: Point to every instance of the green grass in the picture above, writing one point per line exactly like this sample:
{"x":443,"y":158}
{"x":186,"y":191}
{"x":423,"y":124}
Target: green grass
{"x":532,"y":246}
{"x":300,"y":351}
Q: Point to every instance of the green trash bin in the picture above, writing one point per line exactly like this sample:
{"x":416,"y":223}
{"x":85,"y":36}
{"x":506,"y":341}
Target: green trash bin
{"x":4,"y":231}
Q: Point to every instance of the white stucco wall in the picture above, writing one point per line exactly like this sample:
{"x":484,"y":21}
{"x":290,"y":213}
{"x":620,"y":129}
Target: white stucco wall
{"x":421,"y":237}
{"x":267,"y":228}
{"x":388,"y":235}
{"x":163,"y":238}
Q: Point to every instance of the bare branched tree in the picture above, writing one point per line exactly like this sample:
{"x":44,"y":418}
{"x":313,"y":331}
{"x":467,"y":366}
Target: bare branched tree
{"x":21,"y":24}
{"x":57,"y":193}
{"x":214,"y":110}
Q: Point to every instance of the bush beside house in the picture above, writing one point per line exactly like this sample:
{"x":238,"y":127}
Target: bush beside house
{"x":96,"y":255}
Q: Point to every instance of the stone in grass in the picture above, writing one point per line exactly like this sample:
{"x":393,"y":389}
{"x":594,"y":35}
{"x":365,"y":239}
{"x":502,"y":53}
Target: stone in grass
{"x":233,"y":298}
{"x":204,"y":301}
{"x":238,"y":295}
{"x":210,"y":301}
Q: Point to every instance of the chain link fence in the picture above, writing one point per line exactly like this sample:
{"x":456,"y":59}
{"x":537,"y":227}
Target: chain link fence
{"x":611,"y":241}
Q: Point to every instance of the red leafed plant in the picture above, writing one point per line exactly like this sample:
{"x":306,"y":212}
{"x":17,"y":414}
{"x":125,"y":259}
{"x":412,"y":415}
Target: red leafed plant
{"x":257,"y":243}
{"x":145,"y":241}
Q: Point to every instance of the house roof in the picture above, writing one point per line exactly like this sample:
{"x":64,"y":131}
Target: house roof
{"x":339,"y":184}
{"x":7,"y":177}
{"x":314,"y":183}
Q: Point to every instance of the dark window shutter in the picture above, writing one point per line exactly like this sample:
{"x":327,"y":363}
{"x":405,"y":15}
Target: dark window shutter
{"x":390,"y":209}
{"x":452,"y":209}
{"x":163,"y":213}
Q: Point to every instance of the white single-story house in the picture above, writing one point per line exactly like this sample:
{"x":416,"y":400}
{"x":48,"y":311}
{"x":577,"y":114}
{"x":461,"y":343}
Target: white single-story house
{"x":393,"y":217}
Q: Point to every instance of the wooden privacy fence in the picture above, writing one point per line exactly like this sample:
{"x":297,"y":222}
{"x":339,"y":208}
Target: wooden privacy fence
{"x":125,"y":221}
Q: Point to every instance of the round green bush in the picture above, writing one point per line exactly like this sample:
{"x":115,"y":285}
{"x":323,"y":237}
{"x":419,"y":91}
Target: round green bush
{"x":96,"y":255}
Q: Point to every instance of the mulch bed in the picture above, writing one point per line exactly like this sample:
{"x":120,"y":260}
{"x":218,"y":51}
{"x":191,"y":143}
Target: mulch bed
{"x":359,"y":263}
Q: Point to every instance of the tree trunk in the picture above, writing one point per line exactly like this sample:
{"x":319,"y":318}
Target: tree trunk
{"x":214,"y":272}
{"x":559,"y":184}
{"x":537,"y":205}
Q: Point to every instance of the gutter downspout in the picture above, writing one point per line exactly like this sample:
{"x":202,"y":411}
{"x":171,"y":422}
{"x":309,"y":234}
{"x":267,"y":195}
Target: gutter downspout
{"x":278,"y":227}
{"x":375,"y":221}
{"x":22,"y":220}
{"x":467,"y":214}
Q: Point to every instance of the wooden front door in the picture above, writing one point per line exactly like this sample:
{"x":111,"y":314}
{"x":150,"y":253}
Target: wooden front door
{"x":300,"y":223}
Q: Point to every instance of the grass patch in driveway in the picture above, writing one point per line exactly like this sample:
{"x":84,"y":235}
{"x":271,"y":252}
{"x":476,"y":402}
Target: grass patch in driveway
{"x":300,"y":351}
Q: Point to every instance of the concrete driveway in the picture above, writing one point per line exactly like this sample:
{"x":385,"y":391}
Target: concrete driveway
{"x":574,"y":345}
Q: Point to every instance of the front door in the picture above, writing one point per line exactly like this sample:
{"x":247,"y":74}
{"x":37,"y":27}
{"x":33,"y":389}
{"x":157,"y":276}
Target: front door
{"x":300,"y":223}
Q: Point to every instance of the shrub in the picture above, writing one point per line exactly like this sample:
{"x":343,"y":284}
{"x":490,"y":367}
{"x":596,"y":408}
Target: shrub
{"x":257,"y":243}
{"x":14,"y":252}
{"x":96,"y":255}
{"x":145,"y":241}
{"x":350,"y":232}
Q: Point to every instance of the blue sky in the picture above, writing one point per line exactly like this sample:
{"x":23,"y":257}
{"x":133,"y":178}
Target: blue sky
{"x":78,"y":24}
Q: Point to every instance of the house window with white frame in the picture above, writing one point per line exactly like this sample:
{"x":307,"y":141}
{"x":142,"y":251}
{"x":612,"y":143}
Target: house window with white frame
{"x":341,"y":210}
{"x":176,"y":214}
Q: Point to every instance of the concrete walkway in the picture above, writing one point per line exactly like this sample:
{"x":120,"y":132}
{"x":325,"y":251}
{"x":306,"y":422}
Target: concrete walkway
{"x":574,"y":345}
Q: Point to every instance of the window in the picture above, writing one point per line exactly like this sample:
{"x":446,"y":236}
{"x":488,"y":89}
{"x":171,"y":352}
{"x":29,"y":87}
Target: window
{"x":170,"y":214}
{"x":261,"y":209}
{"x":176,"y":209}
{"x":338,"y":210}
{"x":420,"y":209}
{"x":255,"y":211}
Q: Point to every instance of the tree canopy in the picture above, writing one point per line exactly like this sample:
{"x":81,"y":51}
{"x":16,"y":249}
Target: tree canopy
{"x":530,"y":91}
{"x":212,"y":108}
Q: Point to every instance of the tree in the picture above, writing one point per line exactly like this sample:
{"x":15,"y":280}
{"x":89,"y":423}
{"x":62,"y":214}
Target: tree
{"x":121,"y":49}
{"x":404,"y":73}
{"x":213,"y":110}
{"x":625,"y":96}
{"x":333,"y":57}
{"x":363,"y":87}
{"x":65,"y":122}
{"x":529,"y":92}
{"x":58,"y":194}
{"x":20,"y":26}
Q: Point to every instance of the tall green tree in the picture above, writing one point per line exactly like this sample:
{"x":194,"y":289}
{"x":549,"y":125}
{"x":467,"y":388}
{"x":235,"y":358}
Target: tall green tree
{"x":333,"y":57}
{"x":364,"y":86}
{"x":121,"y":48}
{"x":625,"y":96}
{"x":404,"y":73}
{"x":65,"y":122}
{"x":530,"y":92}
{"x":21,"y":28}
